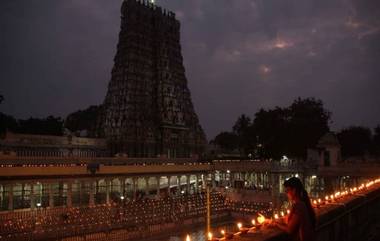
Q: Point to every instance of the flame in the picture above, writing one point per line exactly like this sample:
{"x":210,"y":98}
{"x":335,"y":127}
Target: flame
{"x":276,"y":216}
{"x":260,"y":218}
{"x":188,"y":238}
{"x":209,"y":236}
{"x":319,"y":200}
{"x":222,"y":232}
{"x":253,"y":222}
{"x":282,"y":214}
{"x":239,"y":225}
{"x":288,"y":211}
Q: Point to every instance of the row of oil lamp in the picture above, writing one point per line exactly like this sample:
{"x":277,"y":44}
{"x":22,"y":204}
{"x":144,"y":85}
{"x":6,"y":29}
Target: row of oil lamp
{"x":242,"y":230}
{"x":316,"y":204}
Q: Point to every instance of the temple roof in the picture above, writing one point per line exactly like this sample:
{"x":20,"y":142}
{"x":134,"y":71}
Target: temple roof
{"x":328,"y":139}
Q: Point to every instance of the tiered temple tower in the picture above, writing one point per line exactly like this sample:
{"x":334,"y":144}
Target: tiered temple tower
{"x":148,"y":111}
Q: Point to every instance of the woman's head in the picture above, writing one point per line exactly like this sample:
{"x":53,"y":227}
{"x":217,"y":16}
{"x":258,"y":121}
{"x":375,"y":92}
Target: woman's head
{"x":296,"y":191}
{"x":294,"y":188}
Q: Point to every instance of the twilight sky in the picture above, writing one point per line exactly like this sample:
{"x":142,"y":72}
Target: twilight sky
{"x":240,"y":55}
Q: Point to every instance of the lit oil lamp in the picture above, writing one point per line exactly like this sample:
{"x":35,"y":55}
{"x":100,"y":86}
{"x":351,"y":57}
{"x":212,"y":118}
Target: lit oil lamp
{"x":276,"y":216}
{"x":239,"y":225}
{"x":282,"y":214}
{"x":288,"y":211}
{"x":209,"y":235}
{"x":261,"y":218}
{"x":188,"y":238}
{"x":253,"y":222}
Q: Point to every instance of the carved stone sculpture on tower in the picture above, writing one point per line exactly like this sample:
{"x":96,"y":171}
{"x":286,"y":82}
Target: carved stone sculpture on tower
{"x":148,"y":111}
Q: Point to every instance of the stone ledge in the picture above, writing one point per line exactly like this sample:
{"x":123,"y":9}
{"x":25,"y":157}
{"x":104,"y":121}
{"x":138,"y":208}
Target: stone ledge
{"x":350,"y":218}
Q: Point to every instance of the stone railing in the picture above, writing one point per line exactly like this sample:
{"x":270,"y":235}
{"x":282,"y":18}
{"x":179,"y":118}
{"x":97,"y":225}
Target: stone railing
{"x":354,"y":217}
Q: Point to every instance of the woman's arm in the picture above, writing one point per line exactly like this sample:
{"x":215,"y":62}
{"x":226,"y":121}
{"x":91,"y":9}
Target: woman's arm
{"x":292,"y":225}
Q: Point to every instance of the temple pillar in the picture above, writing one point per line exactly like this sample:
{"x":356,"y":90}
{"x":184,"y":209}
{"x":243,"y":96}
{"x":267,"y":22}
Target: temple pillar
{"x":108,"y":185}
{"x":91,"y":201}
{"x":69,"y":201}
{"x":158,"y":186}
{"x":32,"y":197}
{"x":134,"y":187}
{"x":188,"y":184}
{"x":122,"y":181}
{"x":196,"y":185}
{"x":51,"y":197}
{"x":146,"y":186}
{"x":178,"y":185}
{"x":232,"y":180}
{"x":10,"y":197}
{"x":169,"y":193}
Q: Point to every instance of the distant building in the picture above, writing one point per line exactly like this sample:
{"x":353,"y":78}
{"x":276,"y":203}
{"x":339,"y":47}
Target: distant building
{"x":53,"y":146}
{"x":148,"y":111}
{"x":327,"y":152}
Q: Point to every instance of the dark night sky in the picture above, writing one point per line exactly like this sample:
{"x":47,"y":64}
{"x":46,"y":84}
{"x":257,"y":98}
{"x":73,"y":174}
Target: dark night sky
{"x":240,"y":55}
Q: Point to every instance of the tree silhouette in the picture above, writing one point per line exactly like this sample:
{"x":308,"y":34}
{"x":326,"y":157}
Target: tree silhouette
{"x":355,"y":141}
{"x":308,"y":121}
{"x":228,"y":141}
{"x":83,"y":120}
{"x":375,"y":147}
{"x":283,"y":131}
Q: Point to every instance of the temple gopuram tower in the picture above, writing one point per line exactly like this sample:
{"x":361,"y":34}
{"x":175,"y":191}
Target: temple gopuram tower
{"x":148,"y":111}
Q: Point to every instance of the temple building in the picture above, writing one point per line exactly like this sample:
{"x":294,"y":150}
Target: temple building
{"x":147,"y":111}
{"x":15,"y":144}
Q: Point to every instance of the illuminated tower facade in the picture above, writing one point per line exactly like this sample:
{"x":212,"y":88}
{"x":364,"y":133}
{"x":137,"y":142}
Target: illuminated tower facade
{"x":148,"y":111}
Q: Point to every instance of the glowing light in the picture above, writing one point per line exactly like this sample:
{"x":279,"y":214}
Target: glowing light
{"x":122,"y":197}
{"x":282,"y":214}
{"x":239,"y":225}
{"x":188,"y":238}
{"x":253,"y":222}
{"x":38,"y":204}
{"x":209,"y":235}
{"x":260,"y":218}
{"x":288,"y":211}
{"x":276,"y":216}
{"x":223,"y":232}
{"x":313,"y":177}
